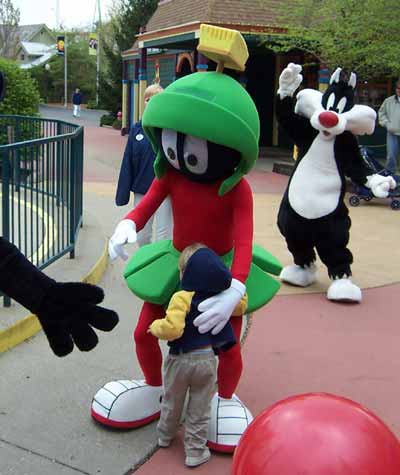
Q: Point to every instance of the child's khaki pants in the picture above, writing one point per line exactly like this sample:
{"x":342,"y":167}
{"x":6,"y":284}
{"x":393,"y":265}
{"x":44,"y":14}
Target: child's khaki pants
{"x":194,"y":372}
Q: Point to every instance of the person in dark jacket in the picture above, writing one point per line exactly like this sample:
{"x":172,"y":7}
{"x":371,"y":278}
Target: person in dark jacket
{"x":76,"y":102}
{"x":137,"y":174}
{"x":191,"y":363}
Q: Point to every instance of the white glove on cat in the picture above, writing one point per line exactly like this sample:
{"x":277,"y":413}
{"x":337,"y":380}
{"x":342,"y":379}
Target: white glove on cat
{"x":289,"y":80}
{"x":380,"y":185}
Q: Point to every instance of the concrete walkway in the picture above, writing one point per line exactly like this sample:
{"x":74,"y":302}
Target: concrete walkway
{"x":45,"y":424}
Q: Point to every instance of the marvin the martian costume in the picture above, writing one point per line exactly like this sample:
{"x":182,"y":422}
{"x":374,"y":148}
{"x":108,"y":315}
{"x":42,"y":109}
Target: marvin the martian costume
{"x":204,"y":128}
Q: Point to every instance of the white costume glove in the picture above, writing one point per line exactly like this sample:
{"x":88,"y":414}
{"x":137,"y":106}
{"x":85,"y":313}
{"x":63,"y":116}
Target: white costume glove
{"x":289,"y":80}
{"x":380,"y":185}
{"x":124,"y":232}
{"x":217,"y":310}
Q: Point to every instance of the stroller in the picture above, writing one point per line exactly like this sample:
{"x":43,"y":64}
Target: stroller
{"x":364,"y":193}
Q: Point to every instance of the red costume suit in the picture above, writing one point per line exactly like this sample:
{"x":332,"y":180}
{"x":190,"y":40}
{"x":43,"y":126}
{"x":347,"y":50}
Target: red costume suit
{"x":195,"y":206}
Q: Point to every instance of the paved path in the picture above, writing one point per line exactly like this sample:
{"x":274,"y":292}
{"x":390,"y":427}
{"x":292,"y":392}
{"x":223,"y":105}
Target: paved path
{"x":299,"y":343}
{"x":88,"y":116}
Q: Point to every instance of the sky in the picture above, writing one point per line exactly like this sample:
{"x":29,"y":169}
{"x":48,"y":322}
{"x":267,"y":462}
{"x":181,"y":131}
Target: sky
{"x":73,"y":13}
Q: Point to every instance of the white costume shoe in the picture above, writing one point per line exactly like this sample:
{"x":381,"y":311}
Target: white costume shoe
{"x":343,"y":290}
{"x":300,"y":276}
{"x":229,"y":419}
{"x":126,"y":404}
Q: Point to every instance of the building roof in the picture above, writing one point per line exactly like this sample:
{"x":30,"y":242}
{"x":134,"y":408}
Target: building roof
{"x":172,"y":13}
{"x":39,"y":61}
{"x":27,"y":32}
{"x":36,"y":49}
{"x":176,"y":23}
{"x":24,"y":33}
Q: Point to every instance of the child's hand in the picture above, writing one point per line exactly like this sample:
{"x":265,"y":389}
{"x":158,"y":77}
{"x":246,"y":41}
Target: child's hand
{"x":149,"y":330}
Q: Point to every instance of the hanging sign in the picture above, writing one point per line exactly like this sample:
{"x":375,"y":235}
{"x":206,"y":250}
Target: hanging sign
{"x":60,"y":45}
{"x":92,"y":44}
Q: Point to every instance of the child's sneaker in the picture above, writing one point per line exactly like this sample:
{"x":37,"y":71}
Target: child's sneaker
{"x":194,"y":461}
{"x":164,"y":443}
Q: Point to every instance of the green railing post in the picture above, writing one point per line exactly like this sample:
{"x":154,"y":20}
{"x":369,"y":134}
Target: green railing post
{"x":5,"y":209}
{"x":72,"y":197}
{"x":58,"y":162}
{"x":80,"y":183}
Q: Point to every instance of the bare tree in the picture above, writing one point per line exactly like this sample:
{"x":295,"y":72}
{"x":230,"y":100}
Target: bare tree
{"x":9,"y":19}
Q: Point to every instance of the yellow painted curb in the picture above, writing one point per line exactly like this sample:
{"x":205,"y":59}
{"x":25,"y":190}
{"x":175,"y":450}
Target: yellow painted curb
{"x":17,"y":333}
{"x":29,"y":326}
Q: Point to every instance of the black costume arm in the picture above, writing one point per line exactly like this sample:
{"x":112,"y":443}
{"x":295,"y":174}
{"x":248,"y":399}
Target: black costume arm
{"x":20,"y":279}
{"x":296,"y":126}
{"x":66,"y":311}
{"x":353,"y":165}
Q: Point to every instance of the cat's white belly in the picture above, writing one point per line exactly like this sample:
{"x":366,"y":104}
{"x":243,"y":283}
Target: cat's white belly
{"x":315,"y":187}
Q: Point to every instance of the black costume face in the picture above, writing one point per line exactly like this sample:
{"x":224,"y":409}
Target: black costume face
{"x":198,"y":159}
{"x":339,"y":97}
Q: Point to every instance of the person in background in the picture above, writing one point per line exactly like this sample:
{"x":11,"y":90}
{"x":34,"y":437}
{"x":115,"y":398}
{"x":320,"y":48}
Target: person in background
{"x":76,"y":102}
{"x":191,"y":364}
{"x":389,"y":117}
{"x":137,"y":174}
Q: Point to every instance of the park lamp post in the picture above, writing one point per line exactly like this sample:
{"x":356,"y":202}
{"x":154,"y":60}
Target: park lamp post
{"x":65,"y":75}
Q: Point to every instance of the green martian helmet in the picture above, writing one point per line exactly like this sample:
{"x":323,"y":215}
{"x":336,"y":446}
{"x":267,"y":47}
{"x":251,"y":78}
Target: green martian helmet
{"x":211,"y":106}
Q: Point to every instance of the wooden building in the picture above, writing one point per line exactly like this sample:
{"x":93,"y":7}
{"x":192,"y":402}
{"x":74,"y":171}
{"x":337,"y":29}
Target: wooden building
{"x":166,"y":50}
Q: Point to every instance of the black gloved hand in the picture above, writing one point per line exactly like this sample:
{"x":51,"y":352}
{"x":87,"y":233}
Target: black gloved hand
{"x":66,"y":311}
{"x":67,"y":314}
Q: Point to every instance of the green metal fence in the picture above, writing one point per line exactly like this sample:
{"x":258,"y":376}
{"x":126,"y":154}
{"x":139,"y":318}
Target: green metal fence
{"x":41,"y":164}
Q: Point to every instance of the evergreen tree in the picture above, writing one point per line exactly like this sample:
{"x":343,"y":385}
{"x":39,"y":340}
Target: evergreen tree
{"x":128,"y":17}
{"x":21,"y":91}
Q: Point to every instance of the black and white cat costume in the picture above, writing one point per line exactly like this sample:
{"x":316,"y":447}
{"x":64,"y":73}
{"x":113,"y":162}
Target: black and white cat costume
{"x":313,"y":214}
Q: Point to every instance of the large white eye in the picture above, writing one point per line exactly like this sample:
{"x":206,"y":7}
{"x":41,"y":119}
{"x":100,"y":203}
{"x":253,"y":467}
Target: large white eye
{"x":168,"y":140}
{"x":195,"y":154}
{"x":330,"y":101}
{"x":341,"y":105}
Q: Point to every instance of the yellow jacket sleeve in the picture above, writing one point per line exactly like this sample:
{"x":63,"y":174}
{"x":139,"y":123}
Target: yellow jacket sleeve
{"x":241,"y":307}
{"x":171,"y":327}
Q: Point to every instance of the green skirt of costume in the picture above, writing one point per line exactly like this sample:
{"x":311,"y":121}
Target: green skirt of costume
{"x":152,"y":274}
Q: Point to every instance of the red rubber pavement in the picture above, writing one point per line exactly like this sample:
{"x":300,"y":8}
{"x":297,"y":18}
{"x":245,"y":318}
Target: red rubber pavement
{"x":304,"y":343}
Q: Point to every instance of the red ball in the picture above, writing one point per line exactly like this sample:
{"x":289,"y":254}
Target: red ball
{"x":317,"y":434}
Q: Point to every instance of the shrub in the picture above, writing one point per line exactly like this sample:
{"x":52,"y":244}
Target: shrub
{"x":107,"y":119}
{"x":21,"y":98}
{"x":117,"y":124}
{"x":91,"y":104}
{"x":21,"y":94}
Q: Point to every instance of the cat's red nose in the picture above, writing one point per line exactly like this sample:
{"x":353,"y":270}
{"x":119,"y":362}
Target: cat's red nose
{"x":328,"y":119}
